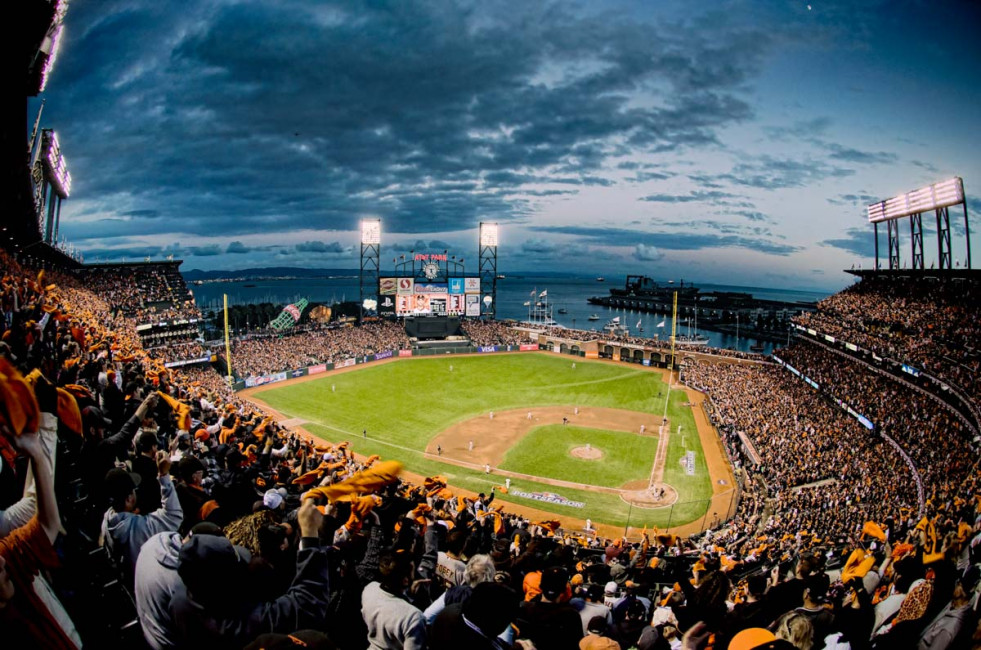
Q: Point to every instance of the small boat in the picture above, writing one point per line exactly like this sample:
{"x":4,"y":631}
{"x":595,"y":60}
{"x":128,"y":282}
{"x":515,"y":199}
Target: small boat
{"x":697,"y":339}
{"x":502,"y":277}
{"x":249,"y":286}
{"x":594,"y":317}
{"x":563,"y":311}
{"x":601,"y":279}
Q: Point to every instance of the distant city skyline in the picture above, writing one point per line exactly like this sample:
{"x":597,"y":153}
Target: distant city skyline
{"x":731,"y":142}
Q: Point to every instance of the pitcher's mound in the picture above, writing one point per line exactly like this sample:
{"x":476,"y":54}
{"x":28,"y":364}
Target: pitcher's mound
{"x":587,"y":453}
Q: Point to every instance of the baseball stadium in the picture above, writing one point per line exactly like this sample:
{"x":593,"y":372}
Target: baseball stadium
{"x":416,"y":467}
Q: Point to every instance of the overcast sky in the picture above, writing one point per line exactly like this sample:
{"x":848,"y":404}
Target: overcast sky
{"x":723,"y":141}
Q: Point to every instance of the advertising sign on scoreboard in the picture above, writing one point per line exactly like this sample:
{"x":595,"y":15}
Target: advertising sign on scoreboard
{"x":456,"y":304}
{"x":471,"y":285}
{"x":437,"y":306}
{"x":429,"y":287}
{"x":386,"y":304}
{"x":387,"y":286}
{"x":456,"y":285}
{"x":405,"y":286}
{"x":473,"y":305}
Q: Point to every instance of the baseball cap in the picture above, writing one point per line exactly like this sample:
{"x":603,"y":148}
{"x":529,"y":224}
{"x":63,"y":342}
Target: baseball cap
{"x":311,"y":639}
{"x":212,"y":569}
{"x":554,"y":581}
{"x":119,"y":483}
{"x":188,"y":465}
{"x":272,"y":499}
{"x":611,"y":587}
{"x":93,"y":416}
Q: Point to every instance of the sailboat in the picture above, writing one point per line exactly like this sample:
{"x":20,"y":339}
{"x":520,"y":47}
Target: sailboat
{"x":640,"y":326}
{"x":689,"y":339}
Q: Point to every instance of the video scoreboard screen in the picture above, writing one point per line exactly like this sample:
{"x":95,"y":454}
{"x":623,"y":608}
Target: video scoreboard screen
{"x":411,"y":297}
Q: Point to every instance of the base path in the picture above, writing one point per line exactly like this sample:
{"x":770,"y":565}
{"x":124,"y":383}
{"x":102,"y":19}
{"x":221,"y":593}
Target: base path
{"x":493,"y":438}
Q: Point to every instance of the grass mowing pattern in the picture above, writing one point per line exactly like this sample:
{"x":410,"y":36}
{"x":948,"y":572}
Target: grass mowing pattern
{"x":405,"y":403}
{"x":546,"y":451}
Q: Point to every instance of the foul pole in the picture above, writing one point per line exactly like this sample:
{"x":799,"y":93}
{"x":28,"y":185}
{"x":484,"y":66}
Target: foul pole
{"x":228,"y":345}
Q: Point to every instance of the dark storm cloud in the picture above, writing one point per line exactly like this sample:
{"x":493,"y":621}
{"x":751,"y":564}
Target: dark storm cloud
{"x":684,"y":240}
{"x":322,"y":247}
{"x":859,"y":241}
{"x":262,"y":118}
{"x":237,"y":248}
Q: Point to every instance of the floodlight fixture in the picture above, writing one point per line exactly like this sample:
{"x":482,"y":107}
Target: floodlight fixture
{"x":58,"y":166}
{"x":932,"y":197}
{"x":488,"y":234}
{"x":371,"y":231}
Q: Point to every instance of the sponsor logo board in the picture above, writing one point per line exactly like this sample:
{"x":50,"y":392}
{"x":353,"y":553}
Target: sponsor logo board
{"x":471,"y":285}
{"x":405,"y":286}
{"x":387,"y":354}
{"x":317,"y":369}
{"x":387,"y":286}
{"x":527,"y":347}
{"x":548,"y":497}
{"x":456,"y":285}
{"x":405,"y":353}
{"x":473,"y":305}
{"x":429,"y":287}
{"x":487,"y":348}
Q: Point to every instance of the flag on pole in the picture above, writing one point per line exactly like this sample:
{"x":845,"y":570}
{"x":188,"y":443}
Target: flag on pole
{"x":661,"y":324}
{"x":543,"y":294}
{"x":616,"y":320}
{"x":638,"y":324}
{"x":533,"y":292}
{"x":527,"y":303}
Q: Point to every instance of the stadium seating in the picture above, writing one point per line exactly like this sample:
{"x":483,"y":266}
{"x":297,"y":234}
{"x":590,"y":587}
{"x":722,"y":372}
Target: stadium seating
{"x":842,"y":528}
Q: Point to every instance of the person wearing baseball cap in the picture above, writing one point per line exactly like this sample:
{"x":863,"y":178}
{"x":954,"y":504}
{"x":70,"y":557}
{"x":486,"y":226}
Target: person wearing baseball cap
{"x":212,"y":610}
{"x":190,"y":490}
{"x":124,"y":531}
{"x":547,"y":621}
{"x":596,"y":636}
{"x":144,"y":463}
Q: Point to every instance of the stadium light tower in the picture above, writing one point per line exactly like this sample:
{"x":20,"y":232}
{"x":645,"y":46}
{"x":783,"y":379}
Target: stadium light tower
{"x":370,"y":260}
{"x":487,"y":254}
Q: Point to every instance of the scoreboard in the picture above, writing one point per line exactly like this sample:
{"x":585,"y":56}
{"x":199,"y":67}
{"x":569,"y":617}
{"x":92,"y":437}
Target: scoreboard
{"x":411,"y":297}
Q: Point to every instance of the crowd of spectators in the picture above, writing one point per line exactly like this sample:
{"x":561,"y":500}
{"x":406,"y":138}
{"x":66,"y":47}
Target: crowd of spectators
{"x":492,"y":332}
{"x":260,"y":355}
{"x":938,"y":441}
{"x":662,"y":345}
{"x":147,"y":293}
{"x":929,"y":323}
{"x":229,"y":531}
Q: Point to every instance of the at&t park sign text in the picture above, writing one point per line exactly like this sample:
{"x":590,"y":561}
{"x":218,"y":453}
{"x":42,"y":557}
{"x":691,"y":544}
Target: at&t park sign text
{"x":434,"y":257}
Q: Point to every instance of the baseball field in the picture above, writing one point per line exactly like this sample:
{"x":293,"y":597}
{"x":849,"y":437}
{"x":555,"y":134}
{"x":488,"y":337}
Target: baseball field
{"x":574,"y":439}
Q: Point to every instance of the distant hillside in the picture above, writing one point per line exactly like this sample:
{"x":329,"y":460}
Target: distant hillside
{"x":296,"y":272}
{"x":264,"y":272}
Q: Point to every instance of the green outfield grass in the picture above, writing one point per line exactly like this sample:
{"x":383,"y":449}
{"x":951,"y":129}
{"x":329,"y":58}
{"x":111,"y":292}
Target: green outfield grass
{"x":406,"y":403}
{"x":547,"y":451}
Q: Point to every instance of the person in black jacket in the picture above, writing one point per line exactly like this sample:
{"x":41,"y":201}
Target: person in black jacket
{"x":208,"y":606}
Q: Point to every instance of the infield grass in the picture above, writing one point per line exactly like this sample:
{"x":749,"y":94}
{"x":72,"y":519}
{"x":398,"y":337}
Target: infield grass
{"x":406,"y":403}
{"x":547,"y":451}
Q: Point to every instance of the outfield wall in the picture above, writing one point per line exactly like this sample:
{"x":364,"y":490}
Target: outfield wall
{"x":262,"y":380}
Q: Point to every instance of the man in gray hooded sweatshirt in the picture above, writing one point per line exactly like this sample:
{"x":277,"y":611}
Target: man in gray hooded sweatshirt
{"x":124,"y":530}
